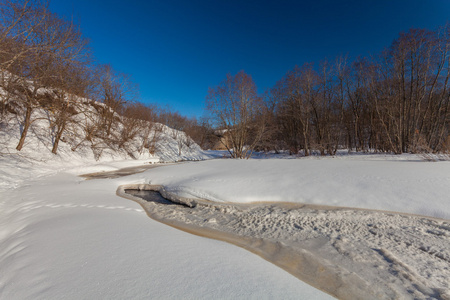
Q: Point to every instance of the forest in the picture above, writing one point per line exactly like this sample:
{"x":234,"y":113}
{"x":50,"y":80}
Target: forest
{"x":396,"y":101}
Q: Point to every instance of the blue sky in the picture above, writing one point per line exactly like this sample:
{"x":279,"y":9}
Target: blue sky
{"x":175,"y":50}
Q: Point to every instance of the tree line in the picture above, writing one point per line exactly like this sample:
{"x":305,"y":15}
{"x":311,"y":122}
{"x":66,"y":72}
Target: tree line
{"x":46,"y":64}
{"x":396,"y":101}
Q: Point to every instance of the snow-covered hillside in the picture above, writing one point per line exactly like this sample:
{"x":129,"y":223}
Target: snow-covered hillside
{"x":158,"y":143}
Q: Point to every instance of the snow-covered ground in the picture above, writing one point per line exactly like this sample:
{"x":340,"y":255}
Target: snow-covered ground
{"x":404,"y":183}
{"x":63,"y":237}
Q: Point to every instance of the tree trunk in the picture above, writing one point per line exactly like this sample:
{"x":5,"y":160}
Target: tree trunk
{"x":26,"y":126}
{"x":58,"y":138}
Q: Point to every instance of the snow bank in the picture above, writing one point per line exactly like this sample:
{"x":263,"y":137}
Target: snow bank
{"x":403,"y":183}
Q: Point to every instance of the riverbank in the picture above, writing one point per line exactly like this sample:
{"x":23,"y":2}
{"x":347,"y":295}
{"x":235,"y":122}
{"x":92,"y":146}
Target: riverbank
{"x":348,"y":253}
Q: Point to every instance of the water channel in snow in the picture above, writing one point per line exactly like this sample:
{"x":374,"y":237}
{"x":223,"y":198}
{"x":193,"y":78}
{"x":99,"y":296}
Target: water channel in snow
{"x":348,"y":253}
{"x":120,"y":172}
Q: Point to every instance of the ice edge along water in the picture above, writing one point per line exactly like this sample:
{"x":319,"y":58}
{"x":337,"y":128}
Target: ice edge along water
{"x":327,"y":250}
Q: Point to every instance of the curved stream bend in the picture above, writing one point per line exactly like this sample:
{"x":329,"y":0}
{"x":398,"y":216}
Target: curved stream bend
{"x":120,"y":172}
{"x":348,"y":253}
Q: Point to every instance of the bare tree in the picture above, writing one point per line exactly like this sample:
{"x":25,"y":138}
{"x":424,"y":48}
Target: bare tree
{"x":41,"y":43}
{"x":66,"y":102}
{"x":19,"y":21}
{"x":201,"y":132}
{"x":235,"y":106}
{"x":137,"y":121}
{"x":115,"y":90}
{"x":412,"y":91}
{"x":298,"y":92}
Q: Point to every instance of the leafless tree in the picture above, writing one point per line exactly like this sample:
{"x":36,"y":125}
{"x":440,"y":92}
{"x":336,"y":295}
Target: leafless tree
{"x":235,"y":107}
{"x":298,"y":92}
{"x":66,"y":102}
{"x":41,"y":43}
{"x":412,"y":91}
{"x":115,"y":90}
{"x":201,"y":132}
{"x":138,"y":122}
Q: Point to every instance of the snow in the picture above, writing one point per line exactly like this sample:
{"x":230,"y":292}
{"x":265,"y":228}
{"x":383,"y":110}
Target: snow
{"x":403,"y":183}
{"x":351,"y":254}
{"x":36,"y":159}
{"x":393,"y":254}
{"x":64,"y":237}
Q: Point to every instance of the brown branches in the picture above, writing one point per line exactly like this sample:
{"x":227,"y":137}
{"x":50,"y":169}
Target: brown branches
{"x":237,"y":109}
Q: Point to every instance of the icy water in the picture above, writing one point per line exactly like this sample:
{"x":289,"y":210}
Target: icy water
{"x":348,"y":253}
{"x":119,"y":173}
{"x":152,"y":196}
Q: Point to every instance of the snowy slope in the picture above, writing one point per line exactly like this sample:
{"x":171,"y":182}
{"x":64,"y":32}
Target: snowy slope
{"x":36,"y":159}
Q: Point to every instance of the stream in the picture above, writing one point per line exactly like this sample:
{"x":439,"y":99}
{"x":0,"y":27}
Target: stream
{"x":347,"y":253}
{"x":120,"y":172}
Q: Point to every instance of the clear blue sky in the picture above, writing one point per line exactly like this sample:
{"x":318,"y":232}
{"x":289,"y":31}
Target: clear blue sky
{"x":175,"y":50}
